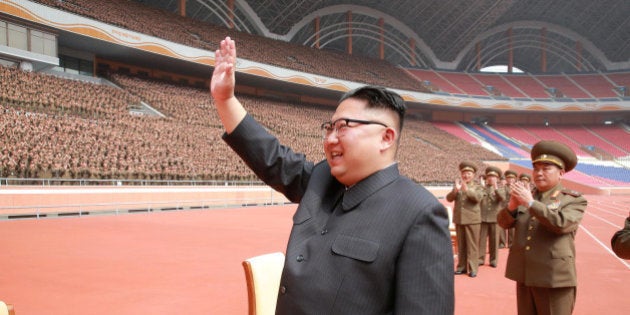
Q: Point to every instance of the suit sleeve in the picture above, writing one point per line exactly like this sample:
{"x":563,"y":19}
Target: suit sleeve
{"x":564,"y":220}
{"x":276,"y":165}
{"x":620,"y":242}
{"x":424,"y":276}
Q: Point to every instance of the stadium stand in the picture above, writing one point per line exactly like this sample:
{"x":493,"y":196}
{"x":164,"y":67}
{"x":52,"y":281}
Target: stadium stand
{"x":596,"y":84}
{"x":614,"y":134}
{"x":465,"y":82}
{"x":435,"y":81}
{"x":35,"y":100}
{"x":591,"y":141}
{"x":92,"y":135}
{"x":456,"y":130}
{"x":135,"y":16}
{"x":499,"y":84}
{"x":530,"y":86}
{"x":563,"y":86}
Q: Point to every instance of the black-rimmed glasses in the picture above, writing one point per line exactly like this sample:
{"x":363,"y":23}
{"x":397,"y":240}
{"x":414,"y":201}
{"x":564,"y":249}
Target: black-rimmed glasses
{"x":341,"y":125}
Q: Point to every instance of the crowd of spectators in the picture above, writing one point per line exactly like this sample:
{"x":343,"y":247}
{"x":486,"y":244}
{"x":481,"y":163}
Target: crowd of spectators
{"x":141,"y":18}
{"x":87,"y":132}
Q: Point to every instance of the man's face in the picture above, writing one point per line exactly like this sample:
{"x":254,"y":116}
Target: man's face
{"x":510,"y":180}
{"x":467,"y":176}
{"x":355,"y":152}
{"x":491,"y":180}
{"x":546,"y":176}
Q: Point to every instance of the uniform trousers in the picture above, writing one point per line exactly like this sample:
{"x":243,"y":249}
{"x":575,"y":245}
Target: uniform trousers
{"x":505,"y":237}
{"x":489,"y":234}
{"x":467,"y":247}
{"x":544,"y":301}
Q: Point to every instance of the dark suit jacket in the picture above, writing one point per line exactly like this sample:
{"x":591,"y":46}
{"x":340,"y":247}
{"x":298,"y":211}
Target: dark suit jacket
{"x":379,"y":247}
{"x":543,"y":251}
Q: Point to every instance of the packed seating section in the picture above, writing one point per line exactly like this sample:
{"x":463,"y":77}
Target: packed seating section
{"x":84,"y":130}
{"x":89,"y":132}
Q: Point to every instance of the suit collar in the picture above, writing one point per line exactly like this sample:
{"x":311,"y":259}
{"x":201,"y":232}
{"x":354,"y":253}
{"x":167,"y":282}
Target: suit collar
{"x":355,"y":194}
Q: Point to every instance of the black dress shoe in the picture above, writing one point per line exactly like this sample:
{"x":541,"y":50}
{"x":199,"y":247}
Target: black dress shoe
{"x":493,"y":265}
{"x":459,"y":272}
{"x":472,"y":274}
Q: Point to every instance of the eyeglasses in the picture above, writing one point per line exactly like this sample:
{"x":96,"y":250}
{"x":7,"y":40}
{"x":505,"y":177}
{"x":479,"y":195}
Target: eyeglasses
{"x":341,"y":125}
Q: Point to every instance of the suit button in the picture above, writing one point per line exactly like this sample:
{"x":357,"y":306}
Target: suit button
{"x":531,"y":227}
{"x":283,"y":290}
{"x":529,"y":238}
{"x":300,"y":258}
{"x":324,"y":232}
{"x":527,"y":248}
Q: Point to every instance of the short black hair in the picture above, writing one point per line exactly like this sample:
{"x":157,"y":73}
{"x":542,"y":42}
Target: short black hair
{"x":379,"y":97}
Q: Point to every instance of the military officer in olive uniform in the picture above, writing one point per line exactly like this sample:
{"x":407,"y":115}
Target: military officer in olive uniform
{"x":507,"y":235}
{"x":542,"y":257}
{"x":491,"y":202}
{"x":620,"y":242}
{"x":466,"y":194}
{"x":525,"y":179}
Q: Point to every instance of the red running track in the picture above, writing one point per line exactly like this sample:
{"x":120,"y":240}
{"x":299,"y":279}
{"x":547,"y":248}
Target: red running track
{"x":189,"y":262}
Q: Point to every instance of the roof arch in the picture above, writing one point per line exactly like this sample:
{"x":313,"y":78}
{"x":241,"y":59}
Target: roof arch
{"x":493,"y":38}
{"x":420,"y":45}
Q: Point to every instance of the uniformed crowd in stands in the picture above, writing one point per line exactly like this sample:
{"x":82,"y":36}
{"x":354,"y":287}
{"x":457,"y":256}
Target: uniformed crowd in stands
{"x":172,"y":27}
{"x":58,"y":128}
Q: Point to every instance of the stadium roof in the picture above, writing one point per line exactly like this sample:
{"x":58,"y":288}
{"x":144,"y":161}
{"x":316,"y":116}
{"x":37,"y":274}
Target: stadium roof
{"x":578,"y":35}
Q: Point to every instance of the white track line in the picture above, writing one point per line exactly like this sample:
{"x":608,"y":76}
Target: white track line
{"x":625,"y":263}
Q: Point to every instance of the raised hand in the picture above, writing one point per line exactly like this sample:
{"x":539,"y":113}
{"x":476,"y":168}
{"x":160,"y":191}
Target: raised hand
{"x":223,"y":79}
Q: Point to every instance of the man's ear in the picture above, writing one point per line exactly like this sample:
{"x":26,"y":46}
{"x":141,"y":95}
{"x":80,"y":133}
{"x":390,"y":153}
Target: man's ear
{"x":389,"y":138}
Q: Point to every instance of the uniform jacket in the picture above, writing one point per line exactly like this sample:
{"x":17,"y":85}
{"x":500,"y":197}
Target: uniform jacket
{"x":543,"y":250}
{"x":380,"y":247}
{"x":620,"y":242}
{"x":491,"y":203}
{"x":466,"y":209}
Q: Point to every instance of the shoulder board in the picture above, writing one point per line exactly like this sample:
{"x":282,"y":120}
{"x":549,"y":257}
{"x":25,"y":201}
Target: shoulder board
{"x":571,"y":192}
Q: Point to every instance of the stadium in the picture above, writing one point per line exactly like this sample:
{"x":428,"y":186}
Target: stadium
{"x":113,"y":168}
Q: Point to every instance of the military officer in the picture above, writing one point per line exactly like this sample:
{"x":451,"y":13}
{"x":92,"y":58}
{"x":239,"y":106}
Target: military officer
{"x":525,"y":179}
{"x":466,"y":194}
{"x":491,"y":202}
{"x":620,"y":242}
{"x":542,"y":257}
{"x":507,"y":235}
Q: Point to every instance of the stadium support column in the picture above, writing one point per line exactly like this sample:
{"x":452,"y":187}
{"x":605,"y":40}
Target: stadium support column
{"x":349,"y":43}
{"x":182,"y":7}
{"x":543,"y":50}
{"x":317,"y":28}
{"x":510,"y":51}
{"x":381,"y":29}
{"x":478,"y":51}
{"x":578,"y":55}
{"x":412,"y":45}
{"x":231,"y":13}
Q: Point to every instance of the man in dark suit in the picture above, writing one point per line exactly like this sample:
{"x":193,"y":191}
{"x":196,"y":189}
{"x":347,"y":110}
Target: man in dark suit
{"x":542,"y":256}
{"x":365,"y":240}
